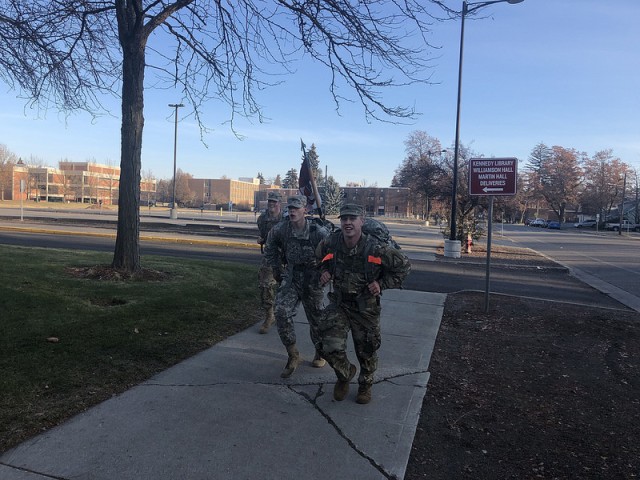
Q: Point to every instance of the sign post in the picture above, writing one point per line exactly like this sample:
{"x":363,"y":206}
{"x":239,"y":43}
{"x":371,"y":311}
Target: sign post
{"x":492,"y":176}
{"x":22,"y":189}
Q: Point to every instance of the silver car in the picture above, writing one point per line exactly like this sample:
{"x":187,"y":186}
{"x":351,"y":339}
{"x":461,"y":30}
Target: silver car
{"x":586,"y":224}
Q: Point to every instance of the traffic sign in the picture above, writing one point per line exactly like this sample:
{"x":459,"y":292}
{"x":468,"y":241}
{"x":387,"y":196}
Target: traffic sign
{"x":493,"y":176}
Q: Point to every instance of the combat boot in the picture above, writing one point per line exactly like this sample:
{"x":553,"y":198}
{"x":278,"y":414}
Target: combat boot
{"x":341,"y":388}
{"x":364,"y":394}
{"x":318,"y":361}
{"x":269,"y":320}
{"x":292,"y":363}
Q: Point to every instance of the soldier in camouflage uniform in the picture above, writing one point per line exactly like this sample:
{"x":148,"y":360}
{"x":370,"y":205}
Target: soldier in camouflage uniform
{"x":360,"y":266}
{"x":266,"y":279}
{"x":297,"y":240}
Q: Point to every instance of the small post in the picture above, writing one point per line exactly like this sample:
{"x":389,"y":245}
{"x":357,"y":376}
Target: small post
{"x":487,"y":281}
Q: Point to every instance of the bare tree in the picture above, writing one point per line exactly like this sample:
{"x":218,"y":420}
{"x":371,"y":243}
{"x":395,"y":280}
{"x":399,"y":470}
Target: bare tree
{"x":7,"y":160}
{"x":184,"y":194}
{"x":421,"y":170}
{"x":603,"y":180}
{"x":148,"y":178}
{"x":558,"y":174}
{"x":164,"y":190}
{"x":69,"y":52}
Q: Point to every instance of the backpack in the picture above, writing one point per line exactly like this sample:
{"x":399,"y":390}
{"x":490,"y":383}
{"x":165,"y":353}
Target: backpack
{"x":379,"y":230}
{"x":323,"y":222}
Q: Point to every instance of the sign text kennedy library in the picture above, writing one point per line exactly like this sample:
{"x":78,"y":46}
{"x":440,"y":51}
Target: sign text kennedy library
{"x":493,"y":176}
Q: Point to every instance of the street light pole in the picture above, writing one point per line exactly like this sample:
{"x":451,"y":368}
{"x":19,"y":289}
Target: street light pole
{"x":452,"y":246}
{"x":174,"y":210}
{"x":624,"y":189}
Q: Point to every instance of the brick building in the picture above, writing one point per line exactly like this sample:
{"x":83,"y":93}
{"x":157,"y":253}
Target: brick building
{"x":388,"y":202}
{"x":82,"y":182}
{"x":219,"y":192}
{"x":261,"y":195}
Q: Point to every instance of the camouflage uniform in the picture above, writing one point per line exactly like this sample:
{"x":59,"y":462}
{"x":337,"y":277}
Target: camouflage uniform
{"x":266,"y":280}
{"x":300,"y":281}
{"x":352,"y":306}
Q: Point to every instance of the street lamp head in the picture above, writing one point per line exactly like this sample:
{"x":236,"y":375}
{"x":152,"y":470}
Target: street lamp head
{"x":468,"y":7}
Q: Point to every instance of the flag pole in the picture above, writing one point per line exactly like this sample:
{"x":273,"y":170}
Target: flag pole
{"x":316,"y":194}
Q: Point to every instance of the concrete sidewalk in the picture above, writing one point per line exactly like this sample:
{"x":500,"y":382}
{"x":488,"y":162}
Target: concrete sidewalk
{"x":226,"y":414}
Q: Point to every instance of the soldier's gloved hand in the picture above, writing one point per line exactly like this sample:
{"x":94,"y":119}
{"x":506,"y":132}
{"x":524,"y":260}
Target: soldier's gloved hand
{"x":260,"y":241}
{"x":374,"y":288}
{"x":325,"y":278}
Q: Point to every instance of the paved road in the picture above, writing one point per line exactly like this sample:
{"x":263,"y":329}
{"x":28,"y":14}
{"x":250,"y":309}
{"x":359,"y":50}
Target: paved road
{"x":419,"y":242}
{"x":606,"y":260}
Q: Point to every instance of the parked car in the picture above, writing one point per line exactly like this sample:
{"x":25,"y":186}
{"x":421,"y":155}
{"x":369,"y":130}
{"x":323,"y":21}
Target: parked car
{"x":539,"y":222}
{"x":553,"y":225}
{"x":586,"y":224}
{"x":626,"y":226}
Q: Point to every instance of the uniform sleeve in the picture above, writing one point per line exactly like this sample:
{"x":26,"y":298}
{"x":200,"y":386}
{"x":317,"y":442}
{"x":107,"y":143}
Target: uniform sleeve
{"x":395,"y":268}
{"x":321,"y":252}
{"x":272,"y":247}
{"x":260,"y":223}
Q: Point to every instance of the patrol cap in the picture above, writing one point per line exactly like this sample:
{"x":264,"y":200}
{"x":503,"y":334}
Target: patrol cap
{"x":297,"y":201}
{"x":351,"y":209}
{"x":274,"y":196}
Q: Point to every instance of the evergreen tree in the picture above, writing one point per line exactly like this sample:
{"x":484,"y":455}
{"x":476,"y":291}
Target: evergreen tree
{"x":332,"y":196}
{"x":314,"y":160}
{"x":290,"y":179}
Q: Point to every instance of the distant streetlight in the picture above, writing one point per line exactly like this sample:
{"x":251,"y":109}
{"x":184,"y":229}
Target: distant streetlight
{"x":174,"y":210}
{"x":450,"y":249}
{"x":624,"y":189}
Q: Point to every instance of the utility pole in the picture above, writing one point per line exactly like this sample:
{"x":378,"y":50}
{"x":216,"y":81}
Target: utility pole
{"x":174,"y":209}
{"x":624,"y":188}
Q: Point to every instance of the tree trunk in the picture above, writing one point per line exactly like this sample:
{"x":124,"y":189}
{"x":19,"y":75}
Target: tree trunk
{"x":127,"y":251}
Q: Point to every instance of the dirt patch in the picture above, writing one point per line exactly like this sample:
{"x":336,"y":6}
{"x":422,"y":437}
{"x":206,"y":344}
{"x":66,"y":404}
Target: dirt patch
{"x":531,"y":389}
{"x":107,"y":272}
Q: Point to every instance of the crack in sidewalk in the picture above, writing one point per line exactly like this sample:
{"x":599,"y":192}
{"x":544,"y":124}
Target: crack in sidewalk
{"x":313,"y":401}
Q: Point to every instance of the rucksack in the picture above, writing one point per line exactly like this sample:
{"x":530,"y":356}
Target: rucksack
{"x":323,"y":222}
{"x":379,"y":230}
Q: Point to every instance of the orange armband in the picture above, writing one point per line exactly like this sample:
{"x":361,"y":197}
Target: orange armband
{"x":327,"y":257}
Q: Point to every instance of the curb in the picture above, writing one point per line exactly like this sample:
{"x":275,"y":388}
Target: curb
{"x":157,"y":238}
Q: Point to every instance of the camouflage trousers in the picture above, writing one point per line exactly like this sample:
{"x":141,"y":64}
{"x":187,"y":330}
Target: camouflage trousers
{"x":297,"y":287}
{"x":362,"y":318}
{"x":267,"y":284}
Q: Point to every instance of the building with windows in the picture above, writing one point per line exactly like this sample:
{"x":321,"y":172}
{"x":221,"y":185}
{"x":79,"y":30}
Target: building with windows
{"x":261,"y":196}
{"x":387,"y":202}
{"x":225,"y":193}
{"x":82,"y":182}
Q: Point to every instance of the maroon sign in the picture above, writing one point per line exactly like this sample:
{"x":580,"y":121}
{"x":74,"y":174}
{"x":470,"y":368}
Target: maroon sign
{"x":493,"y":176}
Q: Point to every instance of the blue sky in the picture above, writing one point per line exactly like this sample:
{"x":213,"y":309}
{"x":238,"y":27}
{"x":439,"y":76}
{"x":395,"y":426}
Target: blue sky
{"x":562,"y":72}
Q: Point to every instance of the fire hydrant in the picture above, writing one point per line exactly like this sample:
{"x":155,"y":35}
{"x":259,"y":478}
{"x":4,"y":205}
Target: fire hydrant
{"x":469,"y":243}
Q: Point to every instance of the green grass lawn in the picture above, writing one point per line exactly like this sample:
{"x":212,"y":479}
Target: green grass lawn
{"x":69,"y":341}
